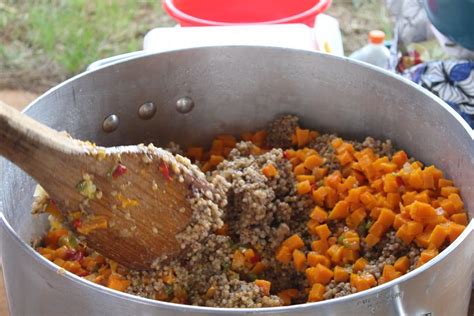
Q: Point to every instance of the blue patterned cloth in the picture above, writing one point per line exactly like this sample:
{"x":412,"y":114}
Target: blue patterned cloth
{"x":452,"y":81}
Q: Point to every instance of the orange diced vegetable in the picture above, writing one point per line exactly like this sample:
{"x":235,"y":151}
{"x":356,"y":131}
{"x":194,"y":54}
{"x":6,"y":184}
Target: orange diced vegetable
{"x":293,"y":242}
{"x":303,"y":187}
{"x":362,"y":282}
{"x":319,"y":246}
{"x":368,"y":199}
{"x":264,"y":285}
{"x":386,"y":217}
{"x":214,"y":160}
{"x":287,"y":295}
{"x":371,"y":240}
{"x":195,"y":153}
{"x":457,"y":202}
{"x":300,"y":170}
{"x":445,"y":183}
{"x":228,"y":140}
{"x":319,"y":214}
{"x":437,"y":237}
{"x":319,"y":195}
{"x":304,"y":177}
{"x":359,"y":265}
{"x":455,"y":230}
{"x":399,"y":220}
{"x":403,"y":234}
{"x":402,"y":264}
{"x":446,"y":191}
{"x":390,"y":183}
{"x":319,"y":274}
{"x":460,"y":218}
{"x":377,"y":229}
{"x":316,"y":293}
{"x":259,"y":138}
{"x":356,"y":218}
{"x":340,"y":274}
{"x":421,"y":212}
{"x":299,"y":260}
{"x":414,"y":228}
{"x":223,"y":230}
{"x":390,"y":273}
{"x":423,"y":239}
{"x":284,"y":255}
{"x":117,"y":282}
{"x":323,"y":231}
{"x":258,"y":268}
{"x":340,"y":211}
{"x":315,"y":258}
{"x":399,"y":158}
{"x":269,"y":170}
{"x":238,"y":260}
{"x":313,"y":161}
{"x":335,"y":251}
{"x":337,"y":142}
{"x":302,"y":136}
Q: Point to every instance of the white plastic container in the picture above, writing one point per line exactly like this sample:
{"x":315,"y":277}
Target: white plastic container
{"x":375,"y":52}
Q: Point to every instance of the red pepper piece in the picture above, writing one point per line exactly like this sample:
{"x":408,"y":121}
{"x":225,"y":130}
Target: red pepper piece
{"x":76,"y":223}
{"x":119,"y":171}
{"x":165,"y":171}
{"x":255,"y":259}
{"x":285,"y":155}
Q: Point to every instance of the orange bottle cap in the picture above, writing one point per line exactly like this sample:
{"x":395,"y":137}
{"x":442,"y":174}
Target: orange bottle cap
{"x":376,"y":37}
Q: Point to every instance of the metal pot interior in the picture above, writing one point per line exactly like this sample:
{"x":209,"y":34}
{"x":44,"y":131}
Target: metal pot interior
{"x":237,"y":89}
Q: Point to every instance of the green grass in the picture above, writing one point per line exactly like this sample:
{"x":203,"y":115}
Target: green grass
{"x":73,"y":33}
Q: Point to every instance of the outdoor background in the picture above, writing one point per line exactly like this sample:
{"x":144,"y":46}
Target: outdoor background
{"x":44,"y":42}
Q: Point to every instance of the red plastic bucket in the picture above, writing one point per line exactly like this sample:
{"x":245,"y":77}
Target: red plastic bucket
{"x":232,"y":12}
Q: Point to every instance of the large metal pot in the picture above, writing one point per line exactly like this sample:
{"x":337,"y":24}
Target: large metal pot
{"x":238,"y":89}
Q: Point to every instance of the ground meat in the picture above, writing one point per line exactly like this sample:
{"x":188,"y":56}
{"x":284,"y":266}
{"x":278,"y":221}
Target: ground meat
{"x":280,"y":131}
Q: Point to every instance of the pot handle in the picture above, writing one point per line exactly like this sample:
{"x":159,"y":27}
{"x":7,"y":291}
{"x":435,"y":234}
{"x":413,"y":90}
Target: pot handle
{"x":110,"y":60}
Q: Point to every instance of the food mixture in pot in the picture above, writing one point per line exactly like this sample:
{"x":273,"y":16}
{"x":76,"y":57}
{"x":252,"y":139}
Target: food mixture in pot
{"x":309,"y":217}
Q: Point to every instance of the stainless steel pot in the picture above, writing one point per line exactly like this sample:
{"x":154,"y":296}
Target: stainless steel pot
{"x":236,"y":89}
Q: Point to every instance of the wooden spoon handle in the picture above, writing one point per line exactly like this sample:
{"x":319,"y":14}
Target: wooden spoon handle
{"x":31,"y":145}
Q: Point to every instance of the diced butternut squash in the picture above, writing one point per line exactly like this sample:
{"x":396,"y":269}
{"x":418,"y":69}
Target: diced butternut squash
{"x":319,"y":274}
{"x":305,"y":177}
{"x":340,"y":211}
{"x":371,"y":240}
{"x":390,"y":273}
{"x":356,"y":218}
{"x":319,"y":195}
{"x":316,"y":293}
{"x":362,"y":282}
{"x":446,"y":191}
{"x":323,"y":231}
{"x":454,"y":231}
{"x":319,"y":214}
{"x":284,"y":255}
{"x":359,"y":265}
{"x":117,"y":282}
{"x":377,"y":229}
{"x":460,"y":218}
{"x":386,"y":217}
{"x":288,"y":295}
{"x":337,"y":142}
{"x":269,"y":170}
{"x":368,"y":199}
{"x":403,"y":234}
{"x":414,"y":228}
{"x":303,"y":187}
{"x":299,"y":260}
{"x":402,"y":264}
{"x":335,"y":252}
{"x":302,"y":137}
{"x":315,"y":258}
{"x":313,"y":161}
{"x":390,"y":183}
{"x":421,"y":212}
{"x":293,"y":242}
{"x":195,"y":153}
{"x":457,"y":202}
{"x":264,"y":285}
{"x":340,"y":274}
{"x":399,"y":220}
{"x":445,"y":183}
{"x":399,"y":158}
{"x":426,"y":255}
{"x":438,"y":236}
{"x":320,"y":246}
{"x":300,"y":170}
{"x":423,"y":239}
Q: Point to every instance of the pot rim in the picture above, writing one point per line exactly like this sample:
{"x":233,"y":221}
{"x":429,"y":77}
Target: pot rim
{"x":231,"y":311}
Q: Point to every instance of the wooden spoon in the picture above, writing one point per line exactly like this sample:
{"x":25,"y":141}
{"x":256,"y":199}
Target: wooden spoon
{"x":129,"y":202}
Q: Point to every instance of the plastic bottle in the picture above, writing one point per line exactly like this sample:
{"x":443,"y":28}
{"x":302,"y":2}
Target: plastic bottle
{"x":375,"y":52}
